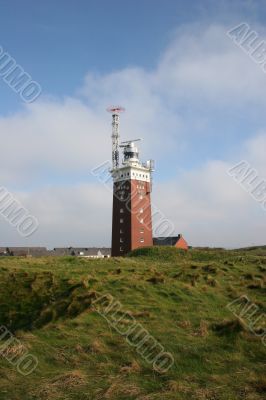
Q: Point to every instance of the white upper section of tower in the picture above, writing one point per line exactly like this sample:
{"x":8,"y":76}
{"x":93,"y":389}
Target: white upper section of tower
{"x":140,"y":173}
{"x":131,"y":167}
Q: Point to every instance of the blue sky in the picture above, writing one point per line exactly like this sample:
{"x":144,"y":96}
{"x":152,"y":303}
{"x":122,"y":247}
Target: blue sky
{"x":58,"y":42}
{"x":194,"y":96}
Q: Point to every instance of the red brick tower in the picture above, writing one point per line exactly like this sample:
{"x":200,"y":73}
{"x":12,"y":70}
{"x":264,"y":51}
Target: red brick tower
{"x":132,"y":222}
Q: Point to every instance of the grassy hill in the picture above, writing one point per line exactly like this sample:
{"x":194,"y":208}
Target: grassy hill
{"x":179,"y":298}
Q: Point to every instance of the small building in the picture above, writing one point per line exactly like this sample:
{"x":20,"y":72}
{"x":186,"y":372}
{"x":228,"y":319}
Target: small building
{"x":88,"y":252}
{"x":177,"y":241}
{"x":24,"y":251}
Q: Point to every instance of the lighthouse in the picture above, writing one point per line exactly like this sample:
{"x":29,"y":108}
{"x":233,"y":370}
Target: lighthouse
{"x":132,"y":185}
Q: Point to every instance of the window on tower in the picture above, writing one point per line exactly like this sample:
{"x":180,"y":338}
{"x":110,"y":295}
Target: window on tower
{"x":121,"y":220}
{"x":121,"y":210}
{"x":141,"y":240}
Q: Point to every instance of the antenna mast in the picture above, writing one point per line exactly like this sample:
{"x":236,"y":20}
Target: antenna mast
{"x":115,"y":111}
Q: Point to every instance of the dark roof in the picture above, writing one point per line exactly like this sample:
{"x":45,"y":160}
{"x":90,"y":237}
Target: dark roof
{"x":166,"y":241}
{"x":24,"y":251}
{"x":88,"y":251}
{"x":59,"y":251}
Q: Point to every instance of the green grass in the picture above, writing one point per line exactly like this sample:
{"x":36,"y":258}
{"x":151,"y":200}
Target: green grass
{"x":179,"y":297}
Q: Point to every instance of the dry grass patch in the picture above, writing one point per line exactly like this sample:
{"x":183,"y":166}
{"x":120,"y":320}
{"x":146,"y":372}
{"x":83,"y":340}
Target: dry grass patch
{"x":55,"y":388}
{"x":70,"y":380}
{"x":119,"y":388}
{"x":97,"y":347}
{"x":178,"y":387}
{"x":202,"y":331}
{"x":132,"y":368}
{"x":13,"y":351}
{"x":185,"y":324}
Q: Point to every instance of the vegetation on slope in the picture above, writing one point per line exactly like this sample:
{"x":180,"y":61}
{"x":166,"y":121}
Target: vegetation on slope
{"x":179,"y":297}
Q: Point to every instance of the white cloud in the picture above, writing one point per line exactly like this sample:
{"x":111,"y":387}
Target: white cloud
{"x":210,"y":208}
{"x":256,"y":147}
{"x":69,"y":215}
{"x":52,"y":137}
{"x":205,"y":64}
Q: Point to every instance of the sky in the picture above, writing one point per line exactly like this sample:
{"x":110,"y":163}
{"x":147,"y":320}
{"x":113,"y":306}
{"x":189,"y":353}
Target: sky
{"x":195,"y":97}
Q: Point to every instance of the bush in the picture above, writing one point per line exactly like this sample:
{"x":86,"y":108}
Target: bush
{"x":162,"y":253}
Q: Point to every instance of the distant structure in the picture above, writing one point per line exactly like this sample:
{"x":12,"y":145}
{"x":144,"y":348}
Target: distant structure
{"x":87,"y":252}
{"x":132,"y":183}
{"x":176,"y":241}
{"x":24,"y":251}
